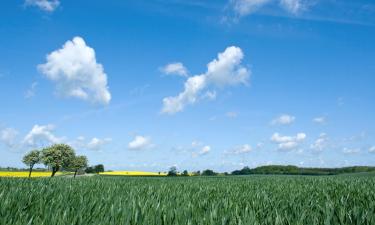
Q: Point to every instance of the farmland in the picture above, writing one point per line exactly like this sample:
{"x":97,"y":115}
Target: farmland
{"x":26,"y":174}
{"x":189,"y":200}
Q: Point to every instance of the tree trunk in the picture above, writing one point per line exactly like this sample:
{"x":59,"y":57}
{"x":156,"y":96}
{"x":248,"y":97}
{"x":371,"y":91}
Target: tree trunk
{"x":30,"y":170}
{"x":54,"y":170}
{"x":75,"y":173}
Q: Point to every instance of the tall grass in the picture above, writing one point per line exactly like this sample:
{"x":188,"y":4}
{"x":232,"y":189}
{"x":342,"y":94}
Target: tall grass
{"x":217,"y":200}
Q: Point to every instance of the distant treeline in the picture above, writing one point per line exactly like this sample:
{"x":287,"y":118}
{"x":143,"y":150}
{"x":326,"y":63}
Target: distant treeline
{"x":294,"y":170}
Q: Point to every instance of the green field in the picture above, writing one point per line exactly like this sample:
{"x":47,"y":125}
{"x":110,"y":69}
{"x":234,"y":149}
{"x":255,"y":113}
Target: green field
{"x":188,"y":200}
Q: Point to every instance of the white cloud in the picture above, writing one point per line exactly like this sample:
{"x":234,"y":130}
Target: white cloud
{"x":351,"y":150}
{"x":140,"y":143}
{"x":8,"y":136}
{"x":372,"y":149}
{"x":41,"y":136}
{"x":224,"y":71}
{"x":293,"y":6}
{"x":283,"y":120}
{"x":241,"y":149}
{"x":96,"y":143}
{"x":74,"y":70}
{"x":46,"y":5}
{"x":246,"y":7}
{"x":320,"y":143}
{"x":288,"y":142}
{"x":205,"y":150}
{"x":175,"y":69}
{"x":319,"y":120}
{"x":31,"y":91}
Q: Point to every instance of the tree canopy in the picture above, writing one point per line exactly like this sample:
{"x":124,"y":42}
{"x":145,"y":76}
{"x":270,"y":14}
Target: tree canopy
{"x":58,"y":156}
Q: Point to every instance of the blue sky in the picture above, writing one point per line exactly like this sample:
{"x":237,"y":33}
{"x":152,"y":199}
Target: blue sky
{"x":145,"y":85}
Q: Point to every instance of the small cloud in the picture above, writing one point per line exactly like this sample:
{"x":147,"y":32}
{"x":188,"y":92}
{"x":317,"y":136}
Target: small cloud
{"x":372,"y":149}
{"x":241,"y":149}
{"x":351,"y":150}
{"x":205,"y":150}
{"x":320,"y":143}
{"x":140,"y":143}
{"x":176,"y":68}
{"x":96,"y":144}
{"x":31,"y":91}
{"x":319,"y":120}
{"x":232,"y":114}
{"x":45,"y":5}
{"x":288,"y":142}
{"x":284,"y":119}
{"x":8,"y":136}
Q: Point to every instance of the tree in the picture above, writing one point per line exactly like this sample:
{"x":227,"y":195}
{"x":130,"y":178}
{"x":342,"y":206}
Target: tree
{"x":58,"y":156}
{"x":99,"y":168}
{"x":172,"y":171}
{"x":185,"y":173}
{"x":30,"y":159}
{"x":208,"y":173}
{"x":79,"y":162}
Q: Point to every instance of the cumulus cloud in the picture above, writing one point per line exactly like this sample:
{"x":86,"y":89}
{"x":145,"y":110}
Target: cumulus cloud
{"x":283,"y":120}
{"x":41,"y":135}
{"x":140,"y":143}
{"x":96,"y":143}
{"x":224,"y":71}
{"x":372,"y":149}
{"x":319,"y":120}
{"x":246,"y":7}
{"x":351,"y":150}
{"x":288,"y":142}
{"x":74,"y":70}
{"x":176,"y":68}
{"x":8,"y":137}
{"x":320,"y":143}
{"x":45,"y":5}
{"x":241,"y":149}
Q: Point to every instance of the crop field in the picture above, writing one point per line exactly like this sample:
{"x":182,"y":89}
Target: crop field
{"x":26,"y":174}
{"x":132,"y":173}
{"x":188,"y":200}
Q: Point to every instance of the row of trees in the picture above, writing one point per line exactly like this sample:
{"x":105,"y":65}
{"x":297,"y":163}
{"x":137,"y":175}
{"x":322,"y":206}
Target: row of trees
{"x":173,"y":172}
{"x":56,"y":157}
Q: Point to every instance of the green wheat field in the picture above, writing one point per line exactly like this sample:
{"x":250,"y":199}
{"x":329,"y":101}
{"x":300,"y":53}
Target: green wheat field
{"x":189,"y":200}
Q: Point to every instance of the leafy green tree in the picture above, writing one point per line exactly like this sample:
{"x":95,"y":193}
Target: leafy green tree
{"x":99,"y":168}
{"x":79,"y":162}
{"x":172,"y":171}
{"x":58,"y":156}
{"x":208,"y":173}
{"x":30,"y":159}
{"x":185,"y":173}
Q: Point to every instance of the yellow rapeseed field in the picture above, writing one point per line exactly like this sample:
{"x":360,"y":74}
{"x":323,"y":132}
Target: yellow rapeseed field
{"x":133,"y":173}
{"x":26,"y":174}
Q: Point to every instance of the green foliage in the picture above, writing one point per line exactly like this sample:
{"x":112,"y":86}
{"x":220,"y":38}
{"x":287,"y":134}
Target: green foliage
{"x":185,"y":173}
{"x":95,"y":169}
{"x":294,"y":170}
{"x":265,"y":200}
{"x":58,"y":156}
{"x":79,"y":162}
{"x":172,"y":171}
{"x":208,"y":173}
{"x":30,"y":159}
